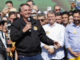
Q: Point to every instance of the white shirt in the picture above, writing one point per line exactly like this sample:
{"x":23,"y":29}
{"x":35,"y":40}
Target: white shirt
{"x":3,"y":39}
{"x":55,"y":32}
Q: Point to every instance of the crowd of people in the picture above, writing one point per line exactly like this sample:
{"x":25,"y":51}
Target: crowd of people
{"x":31,"y":34}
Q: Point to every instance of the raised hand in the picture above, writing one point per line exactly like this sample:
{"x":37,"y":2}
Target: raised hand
{"x":27,"y":27}
{"x":74,"y":53}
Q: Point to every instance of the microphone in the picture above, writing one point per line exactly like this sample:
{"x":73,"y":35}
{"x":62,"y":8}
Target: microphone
{"x":29,"y":20}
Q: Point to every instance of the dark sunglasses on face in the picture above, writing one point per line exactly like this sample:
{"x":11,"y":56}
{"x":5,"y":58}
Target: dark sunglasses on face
{"x":42,"y":20}
{"x":57,"y":9}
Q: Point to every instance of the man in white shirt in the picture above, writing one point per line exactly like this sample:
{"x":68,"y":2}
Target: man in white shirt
{"x":54,"y":31}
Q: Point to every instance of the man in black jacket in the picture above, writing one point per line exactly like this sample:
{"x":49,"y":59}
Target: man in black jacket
{"x":27,"y":33}
{"x":3,"y":54}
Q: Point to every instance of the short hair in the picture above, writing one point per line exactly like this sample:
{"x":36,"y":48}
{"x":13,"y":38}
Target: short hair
{"x":58,"y":14}
{"x":41,"y":14}
{"x":23,"y":5}
{"x":29,"y":1}
{"x":56,"y":5}
{"x":65,"y":12}
{"x":12,"y":13}
{"x":2,"y":22}
{"x":9,"y":2}
{"x":50,"y":12}
{"x":76,"y":11}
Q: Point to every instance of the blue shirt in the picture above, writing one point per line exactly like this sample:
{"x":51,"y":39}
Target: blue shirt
{"x":77,"y":5}
{"x":72,"y":38}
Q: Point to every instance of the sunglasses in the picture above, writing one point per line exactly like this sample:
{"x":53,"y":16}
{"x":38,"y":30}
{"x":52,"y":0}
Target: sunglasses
{"x":42,"y":20}
{"x":57,"y":9}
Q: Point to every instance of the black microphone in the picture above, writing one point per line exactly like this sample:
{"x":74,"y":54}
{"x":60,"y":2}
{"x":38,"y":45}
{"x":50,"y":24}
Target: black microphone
{"x":29,"y":20}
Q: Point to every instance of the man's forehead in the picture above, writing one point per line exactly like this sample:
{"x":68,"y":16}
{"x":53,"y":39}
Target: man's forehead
{"x":57,"y":7}
{"x":25,"y":6}
{"x":50,"y":14}
{"x":64,"y":15}
{"x":76,"y":14}
{"x":41,"y":17}
{"x":59,"y":16}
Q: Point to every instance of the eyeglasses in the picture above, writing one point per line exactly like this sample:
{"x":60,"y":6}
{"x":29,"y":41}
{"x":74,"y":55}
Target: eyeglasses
{"x":42,"y":20}
{"x":57,"y":9}
{"x":28,"y":10}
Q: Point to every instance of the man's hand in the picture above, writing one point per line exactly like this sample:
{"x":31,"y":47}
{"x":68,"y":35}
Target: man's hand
{"x":78,"y":53}
{"x":74,"y":53}
{"x":51,"y":50}
{"x":56,"y":45}
{"x":27,"y":27}
{"x":8,"y":50}
{"x":46,"y":47}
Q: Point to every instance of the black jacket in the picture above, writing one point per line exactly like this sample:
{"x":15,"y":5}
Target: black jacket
{"x":3,"y":50}
{"x":28,"y":44}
